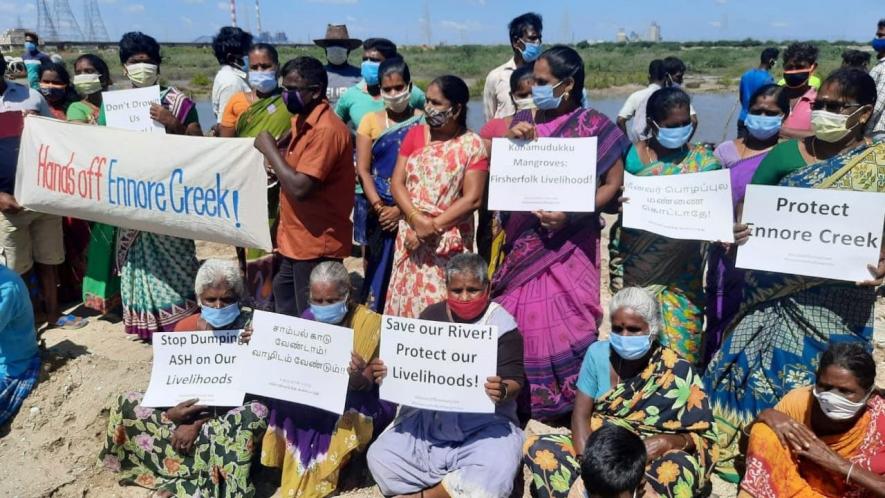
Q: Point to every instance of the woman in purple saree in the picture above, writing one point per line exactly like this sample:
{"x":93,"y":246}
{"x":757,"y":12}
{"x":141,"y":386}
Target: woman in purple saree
{"x":549,"y":279}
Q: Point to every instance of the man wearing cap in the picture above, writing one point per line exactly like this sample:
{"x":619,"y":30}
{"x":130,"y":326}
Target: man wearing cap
{"x":338,"y":45}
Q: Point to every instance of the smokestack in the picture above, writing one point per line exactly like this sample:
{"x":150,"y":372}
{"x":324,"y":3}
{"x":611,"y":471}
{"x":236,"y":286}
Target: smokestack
{"x":233,"y":13}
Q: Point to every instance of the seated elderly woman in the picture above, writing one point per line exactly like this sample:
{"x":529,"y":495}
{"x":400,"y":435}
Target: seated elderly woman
{"x":822,"y":440}
{"x":313,"y":446}
{"x":634,"y":382}
{"x":440,"y":454}
{"x":19,"y":359}
{"x":188,"y":449}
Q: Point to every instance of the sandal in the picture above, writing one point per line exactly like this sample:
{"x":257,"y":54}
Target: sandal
{"x":70,"y":322}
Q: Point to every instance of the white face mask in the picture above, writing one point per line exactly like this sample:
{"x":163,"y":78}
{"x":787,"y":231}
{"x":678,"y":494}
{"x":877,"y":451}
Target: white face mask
{"x":831,"y":127}
{"x":143,"y":74}
{"x":336,"y":55}
{"x":837,"y":407}
{"x":397,"y":102}
{"x":523,"y":104}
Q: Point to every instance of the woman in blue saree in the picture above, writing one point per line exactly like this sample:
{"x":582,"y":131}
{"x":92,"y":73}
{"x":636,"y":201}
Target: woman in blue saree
{"x":378,"y":141}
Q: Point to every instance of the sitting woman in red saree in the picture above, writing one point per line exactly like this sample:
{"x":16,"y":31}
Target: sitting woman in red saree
{"x":549,"y":279}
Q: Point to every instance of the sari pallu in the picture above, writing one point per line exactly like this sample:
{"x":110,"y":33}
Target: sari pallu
{"x":380,"y":243}
{"x":549,"y":281}
{"x":434,"y":179}
{"x":268,"y":114}
{"x":666,"y":398}
{"x":787,"y":321}
{"x":774,"y":471}
{"x":669,"y":269}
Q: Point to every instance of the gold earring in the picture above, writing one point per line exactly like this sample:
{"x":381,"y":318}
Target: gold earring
{"x":565,"y":96}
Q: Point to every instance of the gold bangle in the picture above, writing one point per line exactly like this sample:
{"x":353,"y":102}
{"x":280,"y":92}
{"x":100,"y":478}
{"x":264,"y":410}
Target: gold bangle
{"x":414,"y":212}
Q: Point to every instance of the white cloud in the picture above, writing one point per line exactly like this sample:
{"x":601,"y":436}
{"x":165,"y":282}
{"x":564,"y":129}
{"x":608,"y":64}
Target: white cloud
{"x":135,"y":8}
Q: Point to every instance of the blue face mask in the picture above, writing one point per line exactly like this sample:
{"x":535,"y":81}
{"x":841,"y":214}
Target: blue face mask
{"x":878,"y":44}
{"x":543,"y":97}
{"x":763,"y":127}
{"x":263,"y":81}
{"x":30,"y":47}
{"x":219,"y":317}
{"x":369,"y":70}
{"x":674,"y":138}
{"x":531,"y":52}
{"x":330,"y":313}
{"x":630,"y":347}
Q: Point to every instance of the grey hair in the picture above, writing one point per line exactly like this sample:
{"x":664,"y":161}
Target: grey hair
{"x":469,"y":263}
{"x":641,"y":302}
{"x":215,"y":271}
{"x":331,"y":272}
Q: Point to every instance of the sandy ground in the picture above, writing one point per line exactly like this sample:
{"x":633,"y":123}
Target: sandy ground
{"x":50,"y":448}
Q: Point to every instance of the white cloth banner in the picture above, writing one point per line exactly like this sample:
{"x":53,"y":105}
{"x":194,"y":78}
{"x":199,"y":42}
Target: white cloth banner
{"x":131,"y":109}
{"x":693,"y":206}
{"x":198,"y":188}
{"x":438,"y":366}
{"x":550,"y":174}
{"x":814,"y":232}
{"x":201,"y":365}
{"x":298,"y":360}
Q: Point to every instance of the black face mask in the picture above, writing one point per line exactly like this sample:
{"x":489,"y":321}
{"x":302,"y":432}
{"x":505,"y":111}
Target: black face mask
{"x":293,"y":101}
{"x":53,"y":94}
{"x":795,"y":80}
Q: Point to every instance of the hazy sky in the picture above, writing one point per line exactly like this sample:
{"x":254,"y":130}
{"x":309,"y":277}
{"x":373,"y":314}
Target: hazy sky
{"x":484,"y":21}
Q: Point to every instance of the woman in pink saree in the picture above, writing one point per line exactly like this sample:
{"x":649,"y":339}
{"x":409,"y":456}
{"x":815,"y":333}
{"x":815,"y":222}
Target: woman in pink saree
{"x":549,"y":279}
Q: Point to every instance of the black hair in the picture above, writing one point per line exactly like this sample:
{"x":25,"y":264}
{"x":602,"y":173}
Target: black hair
{"x":59,"y":69}
{"x":230,"y":40}
{"x":566,"y":63}
{"x":613,"y":461}
{"x":673,"y":65}
{"x":656,"y":70}
{"x":776,"y":91}
{"x":855,"y":58}
{"x":31,"y":34}
{"x":519,"y":25}
{"x":396,"y":65}
{"x":310,"y":69}
{"x":881,"y":23}
{"x":665,"y":100}
{"x":98,"y":63}
{"x":768,"y":55}
{"x":801,"y":52}
{"x":455,"y":91}
{"x":2,"y":64}
{"x":384,"y":47}
{"x":852,"y":356}
{"x":523,"y":72}
{"x":270,"y":49}
{"x":136,"y":42}
{"x":853,"y":83}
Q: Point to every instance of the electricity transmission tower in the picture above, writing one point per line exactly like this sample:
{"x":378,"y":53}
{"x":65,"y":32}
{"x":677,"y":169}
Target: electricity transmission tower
{"x":45,"y":25}
{"x":66,"y":25}
{"x":95,"y":28}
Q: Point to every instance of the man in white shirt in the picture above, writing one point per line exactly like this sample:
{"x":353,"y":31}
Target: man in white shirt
{"x":634,"y":107}
{"x":525,"y":39}
{"x":230,"y":46}
{"x":876,"y":128}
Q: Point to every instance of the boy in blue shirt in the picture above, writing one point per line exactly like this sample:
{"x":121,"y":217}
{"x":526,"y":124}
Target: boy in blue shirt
{"x":753,"y":80}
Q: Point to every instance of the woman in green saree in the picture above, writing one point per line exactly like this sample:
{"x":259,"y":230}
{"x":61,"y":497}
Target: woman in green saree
{"x":669,"y":269}
{"x":247,"y":114}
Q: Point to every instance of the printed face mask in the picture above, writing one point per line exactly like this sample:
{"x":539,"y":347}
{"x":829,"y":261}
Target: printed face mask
{"x":219,"y":317}
{"x":143,"y":74}
{"x":630,"y":347}
{"x":87,"y":84}
{"x":398,"y":102}
{"x":837,"y":407}
{"x":436,"y":118}
{"x":336,"y":56}
{"x":263,"y":81}
{"x":674,"y":138}
{"x":763,"y":127}
{"x":53,"y":93}
{"x":293,"y":101}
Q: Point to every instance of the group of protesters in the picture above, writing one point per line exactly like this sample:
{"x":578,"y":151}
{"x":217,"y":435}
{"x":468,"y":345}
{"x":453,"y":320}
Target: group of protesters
{"x":764,"y":379}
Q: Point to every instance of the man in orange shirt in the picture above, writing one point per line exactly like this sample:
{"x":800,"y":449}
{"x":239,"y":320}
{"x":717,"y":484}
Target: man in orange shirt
{"x":317,"y":180}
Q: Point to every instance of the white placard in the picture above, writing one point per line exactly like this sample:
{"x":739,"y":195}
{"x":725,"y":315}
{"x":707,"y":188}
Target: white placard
{"x":131,"y":109}
{"x":438,"y":366}
{"x":550,"y":174}
{"x":201,"y":365}
{"x":814,"y":232}
{"x":201,"y":188}
{"x":298,"y":360}
{"x":693,"y":206}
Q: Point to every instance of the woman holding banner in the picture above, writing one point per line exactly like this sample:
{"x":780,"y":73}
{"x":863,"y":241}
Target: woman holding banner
{"x":156,"y":271}
{"x":378,"y":140}
{"x":313,"y":446}
{"x":439,"y":454}
{"x":188,"y":449}
{"x":785,"y":321}
{"x":549,"y":279}
{"x":437,"y":183}
{"x":670,"y":269}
